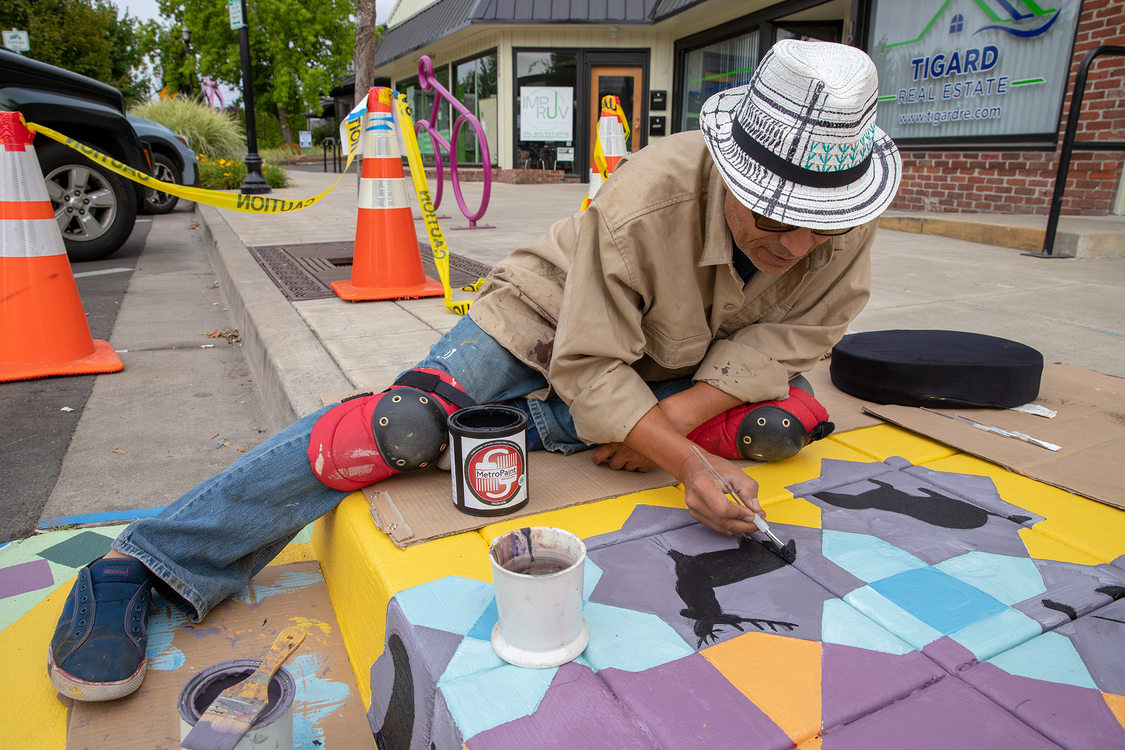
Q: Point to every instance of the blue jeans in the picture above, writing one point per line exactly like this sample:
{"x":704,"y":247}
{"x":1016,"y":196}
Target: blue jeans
{"x":210,"y":542}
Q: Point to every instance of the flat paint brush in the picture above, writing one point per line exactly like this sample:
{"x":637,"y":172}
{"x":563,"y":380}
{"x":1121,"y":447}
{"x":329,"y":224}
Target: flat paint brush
{"x":787,"y":552}
{"x":231,"y":715}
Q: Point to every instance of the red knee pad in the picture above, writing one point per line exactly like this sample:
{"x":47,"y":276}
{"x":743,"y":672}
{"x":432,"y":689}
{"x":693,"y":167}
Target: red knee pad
{"x":367,"y":438}
{"x":766,"y":430}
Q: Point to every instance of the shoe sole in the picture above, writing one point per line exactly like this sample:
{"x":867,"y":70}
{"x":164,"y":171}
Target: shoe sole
{"x":80,"y":690}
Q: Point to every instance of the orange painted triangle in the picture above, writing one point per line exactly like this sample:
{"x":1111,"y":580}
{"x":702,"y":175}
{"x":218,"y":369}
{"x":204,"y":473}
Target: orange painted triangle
{"x":780,"y":675}
{"x":1116,"y":704}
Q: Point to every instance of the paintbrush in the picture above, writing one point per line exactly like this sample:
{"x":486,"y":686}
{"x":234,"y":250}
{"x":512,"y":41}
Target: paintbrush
{"x":232,"y":714}
{"x":787,"y":552}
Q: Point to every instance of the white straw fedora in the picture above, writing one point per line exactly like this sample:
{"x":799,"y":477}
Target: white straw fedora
{"x":799,"y":142}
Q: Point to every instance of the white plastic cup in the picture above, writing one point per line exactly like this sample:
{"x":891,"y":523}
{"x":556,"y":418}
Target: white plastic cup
{"x":537,"y":573}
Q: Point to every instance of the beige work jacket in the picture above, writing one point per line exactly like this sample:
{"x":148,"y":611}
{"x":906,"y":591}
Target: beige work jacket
{"x":640,"y":287}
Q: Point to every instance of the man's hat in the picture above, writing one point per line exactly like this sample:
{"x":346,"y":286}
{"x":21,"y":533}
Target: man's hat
{"x":799,"y":142}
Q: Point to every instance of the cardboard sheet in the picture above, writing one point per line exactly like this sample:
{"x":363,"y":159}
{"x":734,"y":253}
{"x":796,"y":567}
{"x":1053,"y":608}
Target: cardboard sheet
{"x":327,"y":709}
{"x":414,"y":508}
{"x":1089,"y":427}
{"x":417,"y":507}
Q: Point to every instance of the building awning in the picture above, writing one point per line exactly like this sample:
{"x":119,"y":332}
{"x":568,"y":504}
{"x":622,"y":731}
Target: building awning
{"x":436,"y":22}
{"x":446,"y":17}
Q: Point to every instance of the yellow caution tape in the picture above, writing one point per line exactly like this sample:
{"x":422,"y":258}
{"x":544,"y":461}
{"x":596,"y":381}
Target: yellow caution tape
{"x":251,"y":204}
{"x":350,"y":131}
{"x":429,"y":215}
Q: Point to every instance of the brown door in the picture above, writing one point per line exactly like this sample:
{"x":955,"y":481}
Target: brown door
{"x":627,"y":83}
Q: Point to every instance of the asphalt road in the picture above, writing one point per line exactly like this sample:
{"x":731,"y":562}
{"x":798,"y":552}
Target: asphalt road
{"x":184,"y":407}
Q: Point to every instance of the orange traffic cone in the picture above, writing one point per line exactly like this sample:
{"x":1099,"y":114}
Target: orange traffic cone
{"x":386,"y":263}
{"x":43,"y":329}
{"x":609,"y":148}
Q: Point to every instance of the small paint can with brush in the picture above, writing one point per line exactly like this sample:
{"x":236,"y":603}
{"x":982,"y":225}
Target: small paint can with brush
{"x":488,"y":459}
{"x":272,"y":730}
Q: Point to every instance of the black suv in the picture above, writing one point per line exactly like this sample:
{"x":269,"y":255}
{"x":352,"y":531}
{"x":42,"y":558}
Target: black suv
{"x":95,"y":208}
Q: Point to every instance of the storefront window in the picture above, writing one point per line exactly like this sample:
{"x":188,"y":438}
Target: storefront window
{"x":716,"y":67}
{"x":474,"y":85}
{"x":546,"y":119}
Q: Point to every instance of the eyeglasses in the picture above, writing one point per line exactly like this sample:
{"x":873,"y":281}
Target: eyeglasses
{"x":766,"y":224}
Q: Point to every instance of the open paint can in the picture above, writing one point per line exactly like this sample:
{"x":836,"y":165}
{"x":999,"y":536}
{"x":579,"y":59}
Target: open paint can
{"x":272,"y":730}
{"x":538,"y":576}
{"x":488,"y":459}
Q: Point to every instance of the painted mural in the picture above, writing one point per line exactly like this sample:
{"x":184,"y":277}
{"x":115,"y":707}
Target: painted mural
{"x":923,"y":610}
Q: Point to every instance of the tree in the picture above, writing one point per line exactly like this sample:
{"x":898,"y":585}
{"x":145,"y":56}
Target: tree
{"x":87,"y":37}
{"x":364,"y":47}
{"x":298,"y":50}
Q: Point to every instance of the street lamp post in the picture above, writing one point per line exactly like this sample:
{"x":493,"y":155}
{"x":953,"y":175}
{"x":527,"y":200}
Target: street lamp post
{"x":185,"y":35}
{"x":255,"y":183}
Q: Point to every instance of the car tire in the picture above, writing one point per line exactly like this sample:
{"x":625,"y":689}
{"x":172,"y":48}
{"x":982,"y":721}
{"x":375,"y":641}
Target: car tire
{"x":95,"y":208}
{"x":165,"y":170}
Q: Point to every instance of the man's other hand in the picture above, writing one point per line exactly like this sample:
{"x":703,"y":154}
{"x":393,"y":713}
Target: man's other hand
{"x":620,"y":457}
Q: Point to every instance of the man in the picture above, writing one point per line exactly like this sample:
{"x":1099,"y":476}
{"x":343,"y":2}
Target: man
{"x":711,"y":270}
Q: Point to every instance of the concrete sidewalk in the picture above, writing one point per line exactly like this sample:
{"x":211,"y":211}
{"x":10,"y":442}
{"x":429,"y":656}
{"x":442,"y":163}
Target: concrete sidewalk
{"x":1072,"y":310}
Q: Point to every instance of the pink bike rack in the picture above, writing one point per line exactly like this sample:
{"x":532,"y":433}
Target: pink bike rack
{"x":427,"y":81}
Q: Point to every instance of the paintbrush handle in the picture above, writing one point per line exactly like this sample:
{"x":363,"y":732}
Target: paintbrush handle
{"x":256,"y":686}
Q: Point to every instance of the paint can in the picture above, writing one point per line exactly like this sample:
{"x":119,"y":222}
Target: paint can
{"x":488,"y":459}
{"x":538,"y":574}
{"x":273,"y":729}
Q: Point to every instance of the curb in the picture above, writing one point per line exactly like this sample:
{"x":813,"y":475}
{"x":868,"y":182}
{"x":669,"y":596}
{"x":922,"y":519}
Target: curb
{"x":291,"y":367}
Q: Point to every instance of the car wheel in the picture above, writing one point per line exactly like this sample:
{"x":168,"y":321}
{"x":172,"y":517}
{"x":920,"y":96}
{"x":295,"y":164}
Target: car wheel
{"x":164,"y":170}
{"x":95,"y":208}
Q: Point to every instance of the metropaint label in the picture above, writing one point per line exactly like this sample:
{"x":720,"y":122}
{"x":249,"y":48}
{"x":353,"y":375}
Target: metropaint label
{"x":493,"y":473}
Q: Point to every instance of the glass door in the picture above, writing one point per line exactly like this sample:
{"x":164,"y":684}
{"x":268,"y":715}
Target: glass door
{"x":627,"y":83}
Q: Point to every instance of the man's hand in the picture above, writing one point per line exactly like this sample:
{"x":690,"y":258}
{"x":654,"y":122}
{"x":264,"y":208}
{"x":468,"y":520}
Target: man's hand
{"x":708,"y":503}
{"x":619,"y":456}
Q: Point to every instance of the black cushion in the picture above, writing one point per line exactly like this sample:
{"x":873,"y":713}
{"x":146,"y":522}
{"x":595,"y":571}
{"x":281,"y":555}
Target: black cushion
{"x":936,"y":369}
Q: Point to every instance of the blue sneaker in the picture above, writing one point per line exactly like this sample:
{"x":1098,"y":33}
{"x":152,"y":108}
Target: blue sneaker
{"x":98,"y":652}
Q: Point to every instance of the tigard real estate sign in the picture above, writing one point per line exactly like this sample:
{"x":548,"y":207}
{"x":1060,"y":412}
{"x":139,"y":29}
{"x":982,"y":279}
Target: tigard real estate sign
{"x":972,"y":68}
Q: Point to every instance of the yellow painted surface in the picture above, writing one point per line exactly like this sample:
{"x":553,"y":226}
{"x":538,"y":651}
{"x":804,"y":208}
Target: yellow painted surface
{"x":1116,"y":704}
{"x":301,"y":552}
{"x":883,"y":441}
{"x":794,"y":512}
{"x":364,"y":569}
{"x":31,"y":713}
{"x":1088,"y":526}
{"x":779,"y":675}
{"x":814,"y":744}
{"x":1043,"y":547}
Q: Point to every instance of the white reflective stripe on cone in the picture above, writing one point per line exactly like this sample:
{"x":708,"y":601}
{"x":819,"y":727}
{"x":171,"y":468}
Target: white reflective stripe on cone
{"x":30,"y":238}
{"x":378,"y":142}
{"x":382,"y":193}
{"x":595,"y":183}
{"x":612,"y":136}
{"x":20,"y":176}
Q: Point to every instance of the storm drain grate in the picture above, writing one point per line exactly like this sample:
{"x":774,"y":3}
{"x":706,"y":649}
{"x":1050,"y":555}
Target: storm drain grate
{"x":307,"y":271}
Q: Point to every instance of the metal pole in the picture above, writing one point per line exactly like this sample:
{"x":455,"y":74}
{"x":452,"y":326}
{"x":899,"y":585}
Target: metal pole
{"x":255,"y":183}
{"x":1068,"y":147}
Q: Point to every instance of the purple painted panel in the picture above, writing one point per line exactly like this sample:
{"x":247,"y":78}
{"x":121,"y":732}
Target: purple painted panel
{"x":950,"y":654}
{"x":855,"y":681}
{"x":28,"y":576}
{"x":1075,"y":717}
{"x":688,"y":703}
{"x":947,"y":714}
{"x":578,"y":711}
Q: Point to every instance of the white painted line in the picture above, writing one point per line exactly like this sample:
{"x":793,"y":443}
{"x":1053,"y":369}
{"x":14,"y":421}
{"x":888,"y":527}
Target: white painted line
{"x":103,"y":272}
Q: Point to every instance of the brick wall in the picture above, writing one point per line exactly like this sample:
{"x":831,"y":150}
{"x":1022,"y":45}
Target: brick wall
{"x":1023,"y":181}
{"x":514,"y":176}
